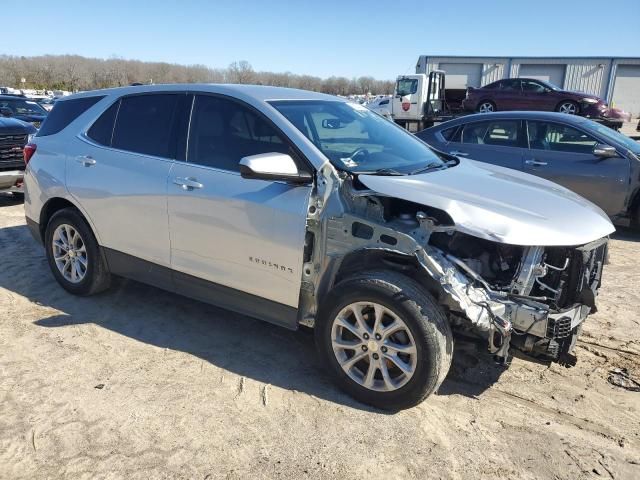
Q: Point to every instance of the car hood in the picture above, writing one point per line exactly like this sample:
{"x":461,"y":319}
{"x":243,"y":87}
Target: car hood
{"x":500,"y":204}
{"x":13,"y":126}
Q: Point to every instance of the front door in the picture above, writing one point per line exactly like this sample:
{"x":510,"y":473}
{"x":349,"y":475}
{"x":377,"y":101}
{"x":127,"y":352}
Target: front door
{"x":245,"y":235}
{"x":564,"y":155}
{"x":535,"y":96}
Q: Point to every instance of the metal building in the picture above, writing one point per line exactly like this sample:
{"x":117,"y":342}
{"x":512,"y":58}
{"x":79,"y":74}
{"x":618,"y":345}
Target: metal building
{"x":617,"y":80}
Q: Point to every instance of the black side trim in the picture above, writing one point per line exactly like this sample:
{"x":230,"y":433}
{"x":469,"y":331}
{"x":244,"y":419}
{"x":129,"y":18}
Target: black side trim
{"x":134,"y":268}
{"x":193,"y":287}
{"x":34,"y":228}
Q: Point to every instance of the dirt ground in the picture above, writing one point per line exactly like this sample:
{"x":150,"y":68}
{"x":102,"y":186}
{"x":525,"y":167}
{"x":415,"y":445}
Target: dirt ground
{"x":139,"y":383}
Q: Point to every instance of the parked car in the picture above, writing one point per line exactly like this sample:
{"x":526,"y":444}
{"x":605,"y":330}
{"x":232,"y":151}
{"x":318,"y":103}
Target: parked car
{"x":46,"y":103}
{"x":532,"y":94}
{"x":381,"y":105}
{"x":22,"y":108}
{"x":14,"y":135}
{"x":594,"y":161}
{"x":300,"y":208}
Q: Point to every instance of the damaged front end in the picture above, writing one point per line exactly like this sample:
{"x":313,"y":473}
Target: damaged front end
{"x":528,"y":297}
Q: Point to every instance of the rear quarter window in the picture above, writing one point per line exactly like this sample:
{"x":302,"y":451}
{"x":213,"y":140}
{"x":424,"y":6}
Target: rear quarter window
{"x":65,"y":112}
{"x":102,"y":129}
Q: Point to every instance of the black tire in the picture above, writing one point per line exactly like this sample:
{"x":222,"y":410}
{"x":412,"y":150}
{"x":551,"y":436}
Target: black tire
{"x":426,"y":321}
{"x":571,"y":103}
{"x":97,"y":277}
{"x":479,"y":108}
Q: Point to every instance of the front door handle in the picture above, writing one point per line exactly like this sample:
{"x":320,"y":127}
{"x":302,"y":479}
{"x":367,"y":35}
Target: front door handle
{"x":535,"y":163}
{"x":459,"y":154}
{"x":187,"y":183}
{"x":86,"y":160}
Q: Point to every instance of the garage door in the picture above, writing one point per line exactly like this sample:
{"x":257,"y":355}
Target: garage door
{"x":626,"y":89}
{"x":540,"y":71}
{"x":462,"y":75}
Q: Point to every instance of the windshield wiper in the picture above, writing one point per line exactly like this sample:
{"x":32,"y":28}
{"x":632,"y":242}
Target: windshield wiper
{"x":388,"y":171}
{"x":435,"y":166}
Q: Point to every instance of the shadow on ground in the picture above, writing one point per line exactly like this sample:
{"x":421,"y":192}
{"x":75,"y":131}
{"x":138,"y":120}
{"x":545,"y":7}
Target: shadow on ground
{"x":626,"y":234}
{"x":236,"y":343}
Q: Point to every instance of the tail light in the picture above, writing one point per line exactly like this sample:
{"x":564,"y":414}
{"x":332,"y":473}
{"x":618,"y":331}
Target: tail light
{"x":29,"y":150}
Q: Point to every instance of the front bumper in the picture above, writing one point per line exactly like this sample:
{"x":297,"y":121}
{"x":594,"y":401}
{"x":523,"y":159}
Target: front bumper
{"x":11,"y":181}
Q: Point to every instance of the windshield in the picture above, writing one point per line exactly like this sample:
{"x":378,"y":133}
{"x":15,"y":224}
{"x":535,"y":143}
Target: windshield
{"x":357,"y":140}
{"x":23,"y":107}
{"x":616,"y":137}
{"x":406,"y":86}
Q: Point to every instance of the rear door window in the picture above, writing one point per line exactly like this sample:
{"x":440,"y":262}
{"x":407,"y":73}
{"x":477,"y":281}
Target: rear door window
{"x":223,"y":131}
{"x":503,"y":133}
{"x":64,"y":112}
{"x":559,"y":138}
{"x":510,"y":85}
{"x":144,"y":124}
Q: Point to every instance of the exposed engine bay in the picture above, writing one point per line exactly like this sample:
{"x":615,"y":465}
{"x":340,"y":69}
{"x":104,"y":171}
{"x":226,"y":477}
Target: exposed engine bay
{"x":530,"y":298}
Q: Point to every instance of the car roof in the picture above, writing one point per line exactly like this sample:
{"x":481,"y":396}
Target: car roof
{"x":260,"y":93}
{"x":516,"y":115}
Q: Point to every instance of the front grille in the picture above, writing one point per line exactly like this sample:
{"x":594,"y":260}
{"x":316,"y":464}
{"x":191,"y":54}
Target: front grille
{"x":576,"y":276}
{"x":559,"y":327}
{"x":11,"y":147}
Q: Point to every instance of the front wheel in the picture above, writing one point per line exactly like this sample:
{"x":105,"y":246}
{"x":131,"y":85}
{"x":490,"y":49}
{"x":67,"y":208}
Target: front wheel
{"x":384,"y":339}
{"x":568,"y":107}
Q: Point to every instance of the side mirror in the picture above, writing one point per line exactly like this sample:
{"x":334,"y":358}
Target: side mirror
{"x":604,"y":151}
{"x":273,"y":166}
{"x":6,"y":112}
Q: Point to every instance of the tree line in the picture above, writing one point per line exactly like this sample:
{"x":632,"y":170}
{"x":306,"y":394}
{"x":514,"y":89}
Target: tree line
{"x":74,"y":72}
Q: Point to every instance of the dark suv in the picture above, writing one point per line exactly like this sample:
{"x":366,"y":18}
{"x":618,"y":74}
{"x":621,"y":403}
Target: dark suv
{"x":22,"y":108}
{"x":14,"y":135}
{"x":532,"y":94}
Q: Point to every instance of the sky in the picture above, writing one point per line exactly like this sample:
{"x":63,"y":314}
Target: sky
{"x":323,"y":38}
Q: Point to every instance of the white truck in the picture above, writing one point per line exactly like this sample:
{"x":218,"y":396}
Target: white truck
{"x":418,"y":100}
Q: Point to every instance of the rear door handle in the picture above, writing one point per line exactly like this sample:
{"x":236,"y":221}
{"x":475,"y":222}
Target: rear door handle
{"x":188,"y":183}
{"x":86,"y":160}
{"x":460,"y":154}
{"x":535,"y":163}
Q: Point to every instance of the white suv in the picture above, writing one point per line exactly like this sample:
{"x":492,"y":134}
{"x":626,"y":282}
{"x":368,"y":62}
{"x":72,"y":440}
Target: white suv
{"x":304,"y":209}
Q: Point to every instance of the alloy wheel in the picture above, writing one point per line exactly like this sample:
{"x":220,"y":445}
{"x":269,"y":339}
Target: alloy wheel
{"x":486,"y":107}
{"x":569,"y":108}
{"x":69,"y":253}
{"x":374,"y":346}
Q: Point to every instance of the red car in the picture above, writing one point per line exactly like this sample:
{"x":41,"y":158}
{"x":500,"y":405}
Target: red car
{"x":532,"y":94}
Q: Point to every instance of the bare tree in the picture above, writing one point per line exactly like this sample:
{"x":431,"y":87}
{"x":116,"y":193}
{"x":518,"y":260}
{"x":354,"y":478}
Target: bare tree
{"x":73,"y":72}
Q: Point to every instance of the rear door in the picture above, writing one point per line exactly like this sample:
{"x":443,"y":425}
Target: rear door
{"x":118,"y":173}
{"x":244,"y":234}
{"x":564,"y":154}
{"x":509,"y":96}
{"x":499,"y":142}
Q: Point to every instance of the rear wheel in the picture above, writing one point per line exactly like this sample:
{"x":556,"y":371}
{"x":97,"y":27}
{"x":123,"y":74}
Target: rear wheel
{"x":568,"y":107}
{"x":385,"y":340}
{"x":73,"y":254}
{"x":486,"y":107}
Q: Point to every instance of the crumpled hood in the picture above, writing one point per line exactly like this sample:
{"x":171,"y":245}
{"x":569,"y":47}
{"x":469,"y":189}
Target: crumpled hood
{"x":500,"y":204}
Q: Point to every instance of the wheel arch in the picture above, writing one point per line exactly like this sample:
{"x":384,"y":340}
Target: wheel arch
{"x":368,"y":259}
{"x":54,"y":205}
